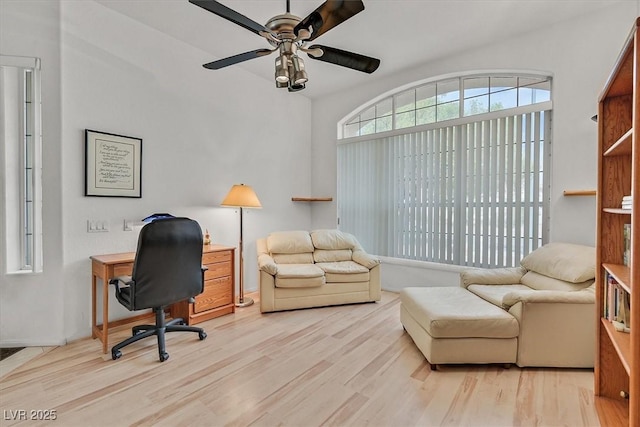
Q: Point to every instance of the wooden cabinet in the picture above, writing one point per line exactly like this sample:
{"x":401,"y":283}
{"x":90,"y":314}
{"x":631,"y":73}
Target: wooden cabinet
{"x":617,"y":365}
{"x":217,"y":298}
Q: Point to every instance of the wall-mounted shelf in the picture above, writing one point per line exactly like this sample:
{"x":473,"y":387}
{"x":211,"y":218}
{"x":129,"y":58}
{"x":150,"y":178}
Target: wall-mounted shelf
{"x":312,"y":199}
{"x":579,"y":192}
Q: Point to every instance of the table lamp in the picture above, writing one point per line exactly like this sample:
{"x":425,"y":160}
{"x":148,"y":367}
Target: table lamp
{"x":241,"y":196}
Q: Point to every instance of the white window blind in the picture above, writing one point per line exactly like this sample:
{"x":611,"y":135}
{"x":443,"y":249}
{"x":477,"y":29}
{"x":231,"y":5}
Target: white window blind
{"x":473,"y":193}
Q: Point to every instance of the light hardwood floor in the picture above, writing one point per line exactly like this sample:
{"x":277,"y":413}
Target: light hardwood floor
{"x":347,"y":366}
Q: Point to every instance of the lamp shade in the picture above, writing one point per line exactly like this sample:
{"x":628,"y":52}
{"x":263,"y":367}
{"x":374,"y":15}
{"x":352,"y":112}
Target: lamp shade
{"x":241,"y":196}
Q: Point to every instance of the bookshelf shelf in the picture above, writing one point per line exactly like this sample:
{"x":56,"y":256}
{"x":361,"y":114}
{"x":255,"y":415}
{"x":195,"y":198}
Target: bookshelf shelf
{"x":622,"y":343}
{"x":621,"y":273}
{"x":617,"y":211}
{"x":622,"y":147}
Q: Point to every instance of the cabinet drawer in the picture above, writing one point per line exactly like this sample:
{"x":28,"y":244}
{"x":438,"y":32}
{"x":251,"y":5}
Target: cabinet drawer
{"x":217,"y":292}
{"x":123,"y":269}
{"x":211,"y":257}
{"x":219,"y":269}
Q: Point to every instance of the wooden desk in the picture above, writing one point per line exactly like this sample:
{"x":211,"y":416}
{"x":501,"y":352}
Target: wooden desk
{"x":216,"y":300}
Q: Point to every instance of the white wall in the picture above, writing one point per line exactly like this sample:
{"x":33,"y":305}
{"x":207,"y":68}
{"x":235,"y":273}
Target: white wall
{"x":202,"y":132}
{"x":579,"y":54}
{"x":32,"y":305}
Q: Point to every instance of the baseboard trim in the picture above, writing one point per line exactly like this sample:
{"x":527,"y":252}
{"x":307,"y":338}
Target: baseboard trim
{"x":32,"y":343}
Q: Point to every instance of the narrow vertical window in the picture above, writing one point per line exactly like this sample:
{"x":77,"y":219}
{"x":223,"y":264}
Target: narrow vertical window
{"x":21,"y":159}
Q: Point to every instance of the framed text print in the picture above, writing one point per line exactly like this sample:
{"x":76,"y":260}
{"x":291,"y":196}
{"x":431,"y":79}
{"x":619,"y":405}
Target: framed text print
{"x":113,"y":165}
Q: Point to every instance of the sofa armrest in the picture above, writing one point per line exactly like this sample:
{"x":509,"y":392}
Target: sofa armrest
{"x":267,"y":264}
{"x":585,"y":296}
{"x":492,"y":276}
{"x":364,"y":259}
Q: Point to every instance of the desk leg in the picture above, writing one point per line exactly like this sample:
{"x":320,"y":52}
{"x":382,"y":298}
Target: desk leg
{"x":105,"y":310}
{"x":94,"y":295}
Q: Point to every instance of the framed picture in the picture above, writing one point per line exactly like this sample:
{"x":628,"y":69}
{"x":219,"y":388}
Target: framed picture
{"x":113,"y":165}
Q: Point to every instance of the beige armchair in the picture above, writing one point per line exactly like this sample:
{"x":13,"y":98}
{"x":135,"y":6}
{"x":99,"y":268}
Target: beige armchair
{"x":552,"y":296}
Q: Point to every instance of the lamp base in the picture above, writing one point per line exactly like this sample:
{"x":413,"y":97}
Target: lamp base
{"x":246,"y":301}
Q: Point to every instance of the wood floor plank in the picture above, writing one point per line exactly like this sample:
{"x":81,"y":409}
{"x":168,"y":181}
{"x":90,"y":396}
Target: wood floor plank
{"x":347,"y":365}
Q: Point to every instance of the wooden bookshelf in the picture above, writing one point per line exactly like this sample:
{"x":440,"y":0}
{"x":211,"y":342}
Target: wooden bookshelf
{"x":617,"y":365}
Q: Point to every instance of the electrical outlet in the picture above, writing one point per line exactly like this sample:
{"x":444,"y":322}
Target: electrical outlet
{"x":128,"y":225}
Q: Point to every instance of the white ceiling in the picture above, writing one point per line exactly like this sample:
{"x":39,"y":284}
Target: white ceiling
{"x":401,"y":33}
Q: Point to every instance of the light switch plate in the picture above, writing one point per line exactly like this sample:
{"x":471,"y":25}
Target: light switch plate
{"x":97,"y":226}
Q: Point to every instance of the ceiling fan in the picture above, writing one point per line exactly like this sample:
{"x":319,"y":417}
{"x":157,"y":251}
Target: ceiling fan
{"x":289,"y":34}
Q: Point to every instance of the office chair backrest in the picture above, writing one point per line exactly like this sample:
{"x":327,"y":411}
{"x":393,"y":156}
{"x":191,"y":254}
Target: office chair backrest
{"x":168,"y":263}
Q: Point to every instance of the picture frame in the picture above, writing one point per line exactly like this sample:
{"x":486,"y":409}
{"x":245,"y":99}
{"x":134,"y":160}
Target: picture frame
{"x":113,"y":165}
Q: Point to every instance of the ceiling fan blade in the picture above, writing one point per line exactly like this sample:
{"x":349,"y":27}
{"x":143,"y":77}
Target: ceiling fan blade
{"x":230,"y":15}
{"x":328,"y":15}
{"x":241,"y":57}
{"x":355,"y":61}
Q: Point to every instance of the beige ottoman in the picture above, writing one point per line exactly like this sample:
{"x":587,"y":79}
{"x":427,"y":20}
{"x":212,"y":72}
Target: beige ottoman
{"x":453,"y":325}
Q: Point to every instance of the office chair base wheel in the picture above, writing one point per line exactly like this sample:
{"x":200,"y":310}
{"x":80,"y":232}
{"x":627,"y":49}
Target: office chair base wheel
{"x":164,"y":356}
{"x":202,"y":335}
{"x":115,"y":355}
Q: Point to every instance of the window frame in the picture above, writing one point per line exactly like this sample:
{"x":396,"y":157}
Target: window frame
{"x":21,"y":190}
{"x":353,"y":117}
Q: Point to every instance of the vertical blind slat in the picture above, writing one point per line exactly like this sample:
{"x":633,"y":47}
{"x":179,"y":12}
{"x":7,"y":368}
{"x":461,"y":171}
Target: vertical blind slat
{"x":493,"y":173}
{"x":517,"y":206}
{"x":536,"y":182}
{"x":500,"y":193}
{"x":527,"y":184}
{"x":486,"y":179}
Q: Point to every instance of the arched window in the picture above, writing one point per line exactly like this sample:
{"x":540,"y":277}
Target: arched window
{"x":453,"y":170}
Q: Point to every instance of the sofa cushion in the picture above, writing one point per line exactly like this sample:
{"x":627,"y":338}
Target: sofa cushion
{"x":289,"y":242}
{"x":299,"y":276}
{"x":326,"y":255}
{"x":344,"y":271}
{"x":454,"y":312}
{"x":495,"y":293}
{"x":301,"y":258}
{"x":545,"y":283}
{"x":563,"y":261}
{"x":492,"y":276}
{"x":332,"y":239}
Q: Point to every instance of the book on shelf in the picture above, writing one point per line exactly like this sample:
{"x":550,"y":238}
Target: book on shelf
{"x":627,"y":202}
{"x":617,"y":305}
{"x":627,"y":244}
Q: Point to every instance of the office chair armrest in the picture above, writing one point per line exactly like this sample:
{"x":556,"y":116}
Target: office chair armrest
{"x":203,"y":268}
{"x":121,"y":281}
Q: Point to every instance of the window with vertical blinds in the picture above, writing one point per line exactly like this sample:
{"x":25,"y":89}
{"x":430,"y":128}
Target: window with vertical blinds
{"x":472,"y":191}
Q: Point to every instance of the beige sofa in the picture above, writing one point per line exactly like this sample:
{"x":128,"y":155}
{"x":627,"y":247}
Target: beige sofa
{"x":301,"y":269}
{"x":538,"y":314}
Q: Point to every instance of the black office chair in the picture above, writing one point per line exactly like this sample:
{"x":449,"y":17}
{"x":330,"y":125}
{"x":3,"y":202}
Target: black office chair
{"x":167,"y":269}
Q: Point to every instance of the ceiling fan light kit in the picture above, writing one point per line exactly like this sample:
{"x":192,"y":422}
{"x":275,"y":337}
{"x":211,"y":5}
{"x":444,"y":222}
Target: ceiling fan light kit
{"x":289,"y":34}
